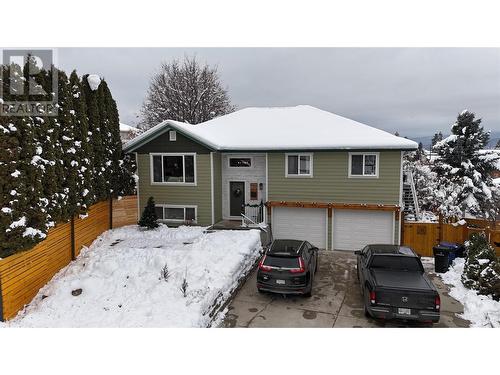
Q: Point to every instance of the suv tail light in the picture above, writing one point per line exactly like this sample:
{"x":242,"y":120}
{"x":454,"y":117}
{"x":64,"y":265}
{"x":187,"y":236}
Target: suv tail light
{"x":262,"y":267}
{"x":373,"y":297}
{"x":437,"y":302}
{"x":301,"y":268}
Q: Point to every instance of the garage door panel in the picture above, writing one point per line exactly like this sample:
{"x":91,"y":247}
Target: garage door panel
{"x":300,"y":223}
{"x":354,"y":229}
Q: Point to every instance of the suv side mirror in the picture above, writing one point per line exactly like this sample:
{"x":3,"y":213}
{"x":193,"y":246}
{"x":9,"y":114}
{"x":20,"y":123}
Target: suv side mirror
{"x":358,"y":252}
{"x":314,"y":249}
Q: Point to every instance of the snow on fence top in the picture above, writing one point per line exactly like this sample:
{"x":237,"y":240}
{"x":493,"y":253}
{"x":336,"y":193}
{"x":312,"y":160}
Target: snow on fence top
{"x":287,"y":128}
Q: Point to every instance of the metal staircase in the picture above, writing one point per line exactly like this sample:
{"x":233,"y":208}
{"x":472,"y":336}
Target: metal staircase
{"x":411,"y":209}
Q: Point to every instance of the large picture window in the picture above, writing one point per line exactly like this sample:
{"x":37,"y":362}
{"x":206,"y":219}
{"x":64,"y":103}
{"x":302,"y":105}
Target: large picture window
{"x":363,"y":165}
{"x":298,"y":165}
{"x":173,"y":168}
{"x":176,"y":213}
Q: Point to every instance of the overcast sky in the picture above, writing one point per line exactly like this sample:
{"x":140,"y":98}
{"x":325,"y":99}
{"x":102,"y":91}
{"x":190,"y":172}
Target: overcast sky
{"x":414,"y":91}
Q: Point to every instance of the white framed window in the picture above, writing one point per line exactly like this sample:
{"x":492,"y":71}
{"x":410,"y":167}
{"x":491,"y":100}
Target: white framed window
{"x":177,"y":213}
{"x":363,"y":164}
{"x":240,"y":162}
{"x":172,"y":135}
{"x":298,"y":165}
{"x":173,"y":168}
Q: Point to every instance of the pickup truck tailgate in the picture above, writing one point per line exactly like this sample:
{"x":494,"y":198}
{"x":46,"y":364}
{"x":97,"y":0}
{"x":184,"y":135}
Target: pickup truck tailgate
{"x":403,"y":289}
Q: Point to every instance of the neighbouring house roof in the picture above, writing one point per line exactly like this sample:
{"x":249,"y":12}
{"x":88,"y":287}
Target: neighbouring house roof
{"x":127,"y":128}
{"x":281,"y":128}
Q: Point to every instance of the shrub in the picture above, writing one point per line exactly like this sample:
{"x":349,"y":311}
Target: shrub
{"x":482,"y":268}
{"x":148,"y":217}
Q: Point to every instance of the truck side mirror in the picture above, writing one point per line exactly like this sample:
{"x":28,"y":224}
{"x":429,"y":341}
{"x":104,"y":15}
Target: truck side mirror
{"x":357,"y":252}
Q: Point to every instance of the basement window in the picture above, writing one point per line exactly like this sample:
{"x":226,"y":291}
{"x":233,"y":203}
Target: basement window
{"x":176,"y":213}
{"x":363,"y":164}
{"x":173,"y":169}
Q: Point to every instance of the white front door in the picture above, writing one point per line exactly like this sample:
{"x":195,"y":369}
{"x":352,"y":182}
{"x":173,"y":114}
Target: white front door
{"x":308,"y":224}
{"x":354,"y":229}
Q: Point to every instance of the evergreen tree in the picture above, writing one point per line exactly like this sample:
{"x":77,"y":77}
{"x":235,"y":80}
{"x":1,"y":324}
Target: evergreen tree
{"x":114,"y":144}
{"x":70,"y":162}
{"x":29,"y":191}
{"x":128,"y":176}
{"x":52,"y":155}
{"x":498,"y":145}
{"x":464,"y":169}
{"x":148,"y":218}
{"x":50,"y":166}
{"x":84,"y":152}
{"x":98,"y":150}
{"x":11,"y":204}
{"x":482,"y":268}
{"x":438,"y":137}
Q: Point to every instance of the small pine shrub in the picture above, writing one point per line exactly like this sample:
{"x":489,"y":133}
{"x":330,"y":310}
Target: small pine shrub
{"x":482,"y":267}
{"x":149,"y":219}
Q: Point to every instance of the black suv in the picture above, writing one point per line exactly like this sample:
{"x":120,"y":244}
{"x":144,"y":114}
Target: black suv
{"x":288,"y":267}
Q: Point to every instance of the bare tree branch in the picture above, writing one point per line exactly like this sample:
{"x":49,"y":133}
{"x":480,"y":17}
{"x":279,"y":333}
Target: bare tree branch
{"x":186,"y":92}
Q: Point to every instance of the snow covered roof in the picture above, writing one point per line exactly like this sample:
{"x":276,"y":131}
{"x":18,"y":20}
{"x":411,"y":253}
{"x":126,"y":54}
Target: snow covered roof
{"x":281,"y":128}
{"x":127,"y":128}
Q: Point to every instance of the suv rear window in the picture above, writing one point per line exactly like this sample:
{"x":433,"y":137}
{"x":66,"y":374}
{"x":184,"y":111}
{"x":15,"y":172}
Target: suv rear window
{"x":285,"y":262}
{"x":285,"y":247}
{"x":400,"y":263}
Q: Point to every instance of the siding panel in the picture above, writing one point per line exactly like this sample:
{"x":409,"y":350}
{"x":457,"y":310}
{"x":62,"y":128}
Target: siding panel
{"x":199,"y":195}
{"x":330,"y":182}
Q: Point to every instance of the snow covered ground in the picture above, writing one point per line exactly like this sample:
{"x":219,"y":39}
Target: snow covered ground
{"x":121,"y":285}
{"x":482,"y":311}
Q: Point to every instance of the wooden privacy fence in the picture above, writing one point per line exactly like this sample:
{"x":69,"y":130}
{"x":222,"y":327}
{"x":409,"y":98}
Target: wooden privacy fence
{"x":422,"y":237}
{"x":23,"y":274}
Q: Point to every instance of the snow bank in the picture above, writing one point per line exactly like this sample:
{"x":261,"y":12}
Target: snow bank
{"x":94,"y":81}
{"x":121,"y":286}
{"x":482,"y":311}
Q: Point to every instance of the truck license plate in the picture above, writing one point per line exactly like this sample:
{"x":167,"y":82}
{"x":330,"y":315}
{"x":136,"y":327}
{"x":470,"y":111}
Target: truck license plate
{"x":282,"y":282}
{"x":403,"y":311}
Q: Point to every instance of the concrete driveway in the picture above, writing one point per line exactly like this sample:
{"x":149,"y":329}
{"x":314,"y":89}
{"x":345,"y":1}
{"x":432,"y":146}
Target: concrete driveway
{"x":336,"y":301}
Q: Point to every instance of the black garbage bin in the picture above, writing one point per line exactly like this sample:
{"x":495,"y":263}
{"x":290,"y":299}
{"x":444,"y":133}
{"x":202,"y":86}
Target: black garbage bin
{"x":441,"y":259}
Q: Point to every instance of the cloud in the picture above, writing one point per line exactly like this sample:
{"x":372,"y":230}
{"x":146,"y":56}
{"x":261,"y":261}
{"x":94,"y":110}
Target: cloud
{"x":416,"y":91}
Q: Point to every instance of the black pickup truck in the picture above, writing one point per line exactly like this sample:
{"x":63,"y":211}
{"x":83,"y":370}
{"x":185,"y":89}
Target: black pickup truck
{"x":395,"y":286}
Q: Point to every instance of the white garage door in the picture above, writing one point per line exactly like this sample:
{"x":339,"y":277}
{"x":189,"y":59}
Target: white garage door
{"x":300,"y":224}
{"x":354,"y":229}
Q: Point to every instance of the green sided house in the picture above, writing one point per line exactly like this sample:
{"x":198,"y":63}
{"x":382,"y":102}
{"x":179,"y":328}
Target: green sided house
{"x":322,"y":177}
